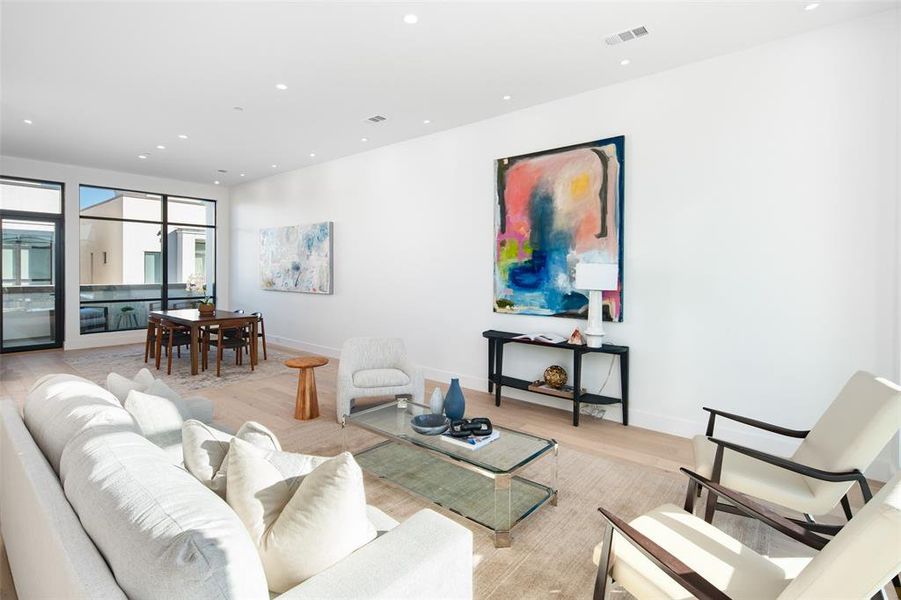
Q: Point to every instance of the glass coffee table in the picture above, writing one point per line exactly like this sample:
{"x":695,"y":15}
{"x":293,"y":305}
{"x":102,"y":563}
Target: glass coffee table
{"x":480,"y":484}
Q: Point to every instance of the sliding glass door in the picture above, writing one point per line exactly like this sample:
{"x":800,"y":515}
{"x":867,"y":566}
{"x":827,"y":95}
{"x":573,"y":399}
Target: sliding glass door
{"x":31,"y":268}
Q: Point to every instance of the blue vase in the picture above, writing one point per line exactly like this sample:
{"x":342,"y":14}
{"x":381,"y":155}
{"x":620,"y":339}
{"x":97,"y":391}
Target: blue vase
{"x":454,"y":402}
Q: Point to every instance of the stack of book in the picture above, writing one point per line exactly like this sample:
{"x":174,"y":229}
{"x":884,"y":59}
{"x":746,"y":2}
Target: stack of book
{"x":473,"y":442}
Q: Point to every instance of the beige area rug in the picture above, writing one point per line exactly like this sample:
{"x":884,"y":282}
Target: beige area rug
{"x":96,"y":364}
{"x":551,"y":552}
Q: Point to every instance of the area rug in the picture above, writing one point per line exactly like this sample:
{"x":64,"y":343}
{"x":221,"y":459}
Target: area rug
{"x":551,"y":552}
{"x":96,"y":364}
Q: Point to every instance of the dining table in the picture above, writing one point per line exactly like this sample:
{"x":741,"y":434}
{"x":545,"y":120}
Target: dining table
{"x":195,"y":321}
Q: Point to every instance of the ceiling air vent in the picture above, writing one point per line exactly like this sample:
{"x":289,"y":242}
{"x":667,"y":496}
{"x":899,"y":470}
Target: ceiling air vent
{"x":626,"y":36}
{"x":377,"y":119}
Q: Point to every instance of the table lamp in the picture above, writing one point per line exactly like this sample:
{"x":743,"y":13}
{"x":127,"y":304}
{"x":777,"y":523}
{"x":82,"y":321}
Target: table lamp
{"x":596,"y":277}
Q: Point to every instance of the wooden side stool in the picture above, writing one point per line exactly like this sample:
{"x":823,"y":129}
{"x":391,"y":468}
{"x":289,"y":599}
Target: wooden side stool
{"x":307,"y":405}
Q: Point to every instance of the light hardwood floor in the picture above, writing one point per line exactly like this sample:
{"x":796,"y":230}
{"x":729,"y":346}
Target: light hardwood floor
{"x":274,"y":397}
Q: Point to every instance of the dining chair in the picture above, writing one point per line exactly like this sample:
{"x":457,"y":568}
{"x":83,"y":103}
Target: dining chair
{"x":153,"y":326}
{"x":176,"y":336}
{"x":261,"y":333}
{"x":231,"y":334}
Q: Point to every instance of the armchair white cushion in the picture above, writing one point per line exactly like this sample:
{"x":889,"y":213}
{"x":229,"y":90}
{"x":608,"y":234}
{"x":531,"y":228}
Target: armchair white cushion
{"x":849,"y":435}
{"x":372,"y":367}
{"x":861,"y":558}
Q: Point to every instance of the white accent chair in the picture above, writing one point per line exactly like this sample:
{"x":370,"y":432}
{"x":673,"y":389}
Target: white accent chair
{"x":372,"y":367}
{"x":670,"y":553}
{"x":832,"y":457}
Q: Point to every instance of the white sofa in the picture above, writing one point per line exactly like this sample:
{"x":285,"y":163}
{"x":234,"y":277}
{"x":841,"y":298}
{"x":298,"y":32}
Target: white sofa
{"x":52,"y":555}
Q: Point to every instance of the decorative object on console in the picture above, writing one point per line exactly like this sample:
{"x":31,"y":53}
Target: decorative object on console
{"x":596,"y":278}
{"x":454,"y":402}
{"x":564,"y":391}
{"x":544,"y":338}
{"x":297,"y":258}
{"x":576,"y":338}
{"x":436,"y":402}
{"x":430,"y":424}
{"x":556,"y":208}
{"x":555,"y":376}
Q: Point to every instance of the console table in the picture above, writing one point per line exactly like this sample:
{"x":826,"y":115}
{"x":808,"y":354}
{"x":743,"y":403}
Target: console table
{"x":496,"y":378}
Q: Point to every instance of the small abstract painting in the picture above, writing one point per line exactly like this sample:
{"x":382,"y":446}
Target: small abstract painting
{"x":297,"y":258}
{"x":557,"y":208}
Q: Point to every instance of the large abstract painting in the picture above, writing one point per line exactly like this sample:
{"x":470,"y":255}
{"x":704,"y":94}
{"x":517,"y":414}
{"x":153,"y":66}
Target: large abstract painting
{"x":557,"y":208}
{"x":297,"y":258}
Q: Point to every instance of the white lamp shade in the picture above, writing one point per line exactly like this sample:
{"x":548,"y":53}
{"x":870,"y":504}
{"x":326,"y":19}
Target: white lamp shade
{"x":597,"y":276}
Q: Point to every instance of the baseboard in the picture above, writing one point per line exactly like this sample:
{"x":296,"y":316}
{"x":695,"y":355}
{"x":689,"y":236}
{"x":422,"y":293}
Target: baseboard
{"x":292,"y":344}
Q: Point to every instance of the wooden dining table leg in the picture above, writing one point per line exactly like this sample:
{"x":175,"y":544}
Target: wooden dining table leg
{"x":194,"y":345}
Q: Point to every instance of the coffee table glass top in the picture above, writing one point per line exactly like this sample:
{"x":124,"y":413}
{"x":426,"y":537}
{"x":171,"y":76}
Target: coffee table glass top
{"x":512,"y":450}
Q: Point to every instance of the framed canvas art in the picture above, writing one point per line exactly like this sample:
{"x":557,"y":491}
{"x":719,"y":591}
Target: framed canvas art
{"x":297,"y":258}
{"x":556,"y":208}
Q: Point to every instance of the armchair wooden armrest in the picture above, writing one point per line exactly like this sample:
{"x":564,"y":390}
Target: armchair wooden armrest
{"x":795,"y":433}
{"x":669,"y":564}
{"x":761,"y":513}
{"x":783,"y":463}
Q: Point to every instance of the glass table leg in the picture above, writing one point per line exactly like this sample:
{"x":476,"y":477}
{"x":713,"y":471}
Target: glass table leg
{"x":554,"y":483}
{"x":502,"y":511}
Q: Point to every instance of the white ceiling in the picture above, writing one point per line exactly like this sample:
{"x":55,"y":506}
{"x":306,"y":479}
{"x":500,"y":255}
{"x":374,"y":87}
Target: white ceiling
{"x":103,"y":82}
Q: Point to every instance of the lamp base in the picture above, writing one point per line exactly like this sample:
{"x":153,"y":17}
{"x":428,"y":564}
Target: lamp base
{"x":594,"y":340}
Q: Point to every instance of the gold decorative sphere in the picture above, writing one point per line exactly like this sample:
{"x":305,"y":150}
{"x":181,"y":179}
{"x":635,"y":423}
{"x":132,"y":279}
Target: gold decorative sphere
{"x":555,"y":376}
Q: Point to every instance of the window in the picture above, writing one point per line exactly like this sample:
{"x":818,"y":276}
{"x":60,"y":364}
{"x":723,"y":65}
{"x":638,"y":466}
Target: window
{"x":153,"y":267}
{"x":27,"y":254}
{"x":30,"y":196}
{"x":139,"y":251}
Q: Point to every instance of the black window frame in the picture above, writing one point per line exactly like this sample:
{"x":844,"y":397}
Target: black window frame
{"x":59,"y":264}
{"x":164,"y":225}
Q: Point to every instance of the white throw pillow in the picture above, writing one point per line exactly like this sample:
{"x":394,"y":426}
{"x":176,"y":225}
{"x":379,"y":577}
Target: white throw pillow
{"x":304,"y":523}
{"x":120,"y":386}
{"x":205,"y":450}
{"x":154,"y":415}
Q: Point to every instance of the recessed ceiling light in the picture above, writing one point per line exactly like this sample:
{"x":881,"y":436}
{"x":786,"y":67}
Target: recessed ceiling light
{"x":281,"y":86}
{"x":182,"y":136}
{"x":508,"y":97}
{"x":312,"y":155}
{"x":242,"y":175}
{"x":625,"y":62}
{"x":426,"y":122}
{"x":143,"y":156}
{"x":27,"y":121}
{"x":411,"y":19}
{"x":160,"y":147}
{"x":812,"y":6}
{"x":238,"y":108}
{"x":364,"y":140}
{"x":274,"y":166}
{"x":216,"y":182}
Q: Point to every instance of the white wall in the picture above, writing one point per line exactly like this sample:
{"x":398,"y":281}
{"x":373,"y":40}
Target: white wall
{"x":760,"y":233}
{"x":72,"y":176}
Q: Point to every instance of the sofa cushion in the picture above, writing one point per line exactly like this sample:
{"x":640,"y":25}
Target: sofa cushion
{"x":372,"y":378}
{"x":59,"y":407}
{"x":119,"y":385}
{"x":302,"y":524}
{"x":162,"y":532}
{"x":205,"y":450}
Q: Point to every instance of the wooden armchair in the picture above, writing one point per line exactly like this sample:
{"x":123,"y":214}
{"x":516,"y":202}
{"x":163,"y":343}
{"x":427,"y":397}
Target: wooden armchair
{"x":670,"y":553}
{"x":830,"y":460}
